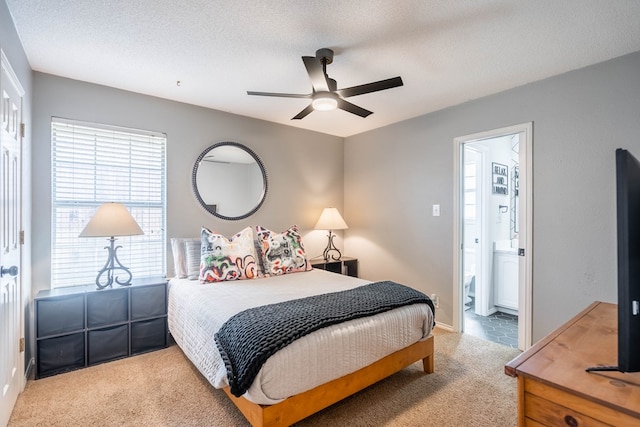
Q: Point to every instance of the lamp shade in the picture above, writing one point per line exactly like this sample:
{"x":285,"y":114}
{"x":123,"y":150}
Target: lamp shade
{"x":110,"y":220}
{"x":330,"y":219}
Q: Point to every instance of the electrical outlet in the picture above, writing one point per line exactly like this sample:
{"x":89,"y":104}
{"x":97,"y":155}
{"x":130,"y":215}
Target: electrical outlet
{"x":436,"y":300}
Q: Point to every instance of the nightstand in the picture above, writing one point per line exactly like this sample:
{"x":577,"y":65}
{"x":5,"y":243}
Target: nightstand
{"x":81,"y":326}
{"x":345,"y":265}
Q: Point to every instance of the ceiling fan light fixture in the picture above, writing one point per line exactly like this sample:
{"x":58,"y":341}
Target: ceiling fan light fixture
{"x":325,"y":95}
{"x":324,"y":101}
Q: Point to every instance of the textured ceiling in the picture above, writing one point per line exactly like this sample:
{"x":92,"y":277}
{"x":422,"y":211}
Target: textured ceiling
{"x":446,"y":51}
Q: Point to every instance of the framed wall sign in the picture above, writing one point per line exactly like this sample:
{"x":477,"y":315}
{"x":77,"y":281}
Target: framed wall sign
{"x":500,"y":174}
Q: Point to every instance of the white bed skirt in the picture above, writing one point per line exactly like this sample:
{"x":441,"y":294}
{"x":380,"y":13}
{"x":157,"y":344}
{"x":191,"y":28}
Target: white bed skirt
{"x":197,"y":311}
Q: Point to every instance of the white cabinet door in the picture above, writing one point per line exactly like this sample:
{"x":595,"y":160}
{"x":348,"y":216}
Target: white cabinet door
{"x":506,"y":276}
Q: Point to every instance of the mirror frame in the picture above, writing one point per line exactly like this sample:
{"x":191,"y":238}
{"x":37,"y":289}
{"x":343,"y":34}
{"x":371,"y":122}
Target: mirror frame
{"x":211,"y":210}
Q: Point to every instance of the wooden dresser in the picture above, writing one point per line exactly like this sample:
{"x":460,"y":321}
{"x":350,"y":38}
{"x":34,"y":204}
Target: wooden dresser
{"x":555,"y":390}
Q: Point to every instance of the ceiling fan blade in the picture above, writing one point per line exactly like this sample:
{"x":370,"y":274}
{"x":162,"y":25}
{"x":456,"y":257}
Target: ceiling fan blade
{"x":281,"y":95}
{"x":370,"y":87}
{"x":304,"y":113}
{"x":352,"y":108}
{"x":316,"y":74}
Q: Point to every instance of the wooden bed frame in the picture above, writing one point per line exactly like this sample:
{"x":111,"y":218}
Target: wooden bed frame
{"x":300,"y":406}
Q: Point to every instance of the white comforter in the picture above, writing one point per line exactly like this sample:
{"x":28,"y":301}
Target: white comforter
{"x":197,"y":311}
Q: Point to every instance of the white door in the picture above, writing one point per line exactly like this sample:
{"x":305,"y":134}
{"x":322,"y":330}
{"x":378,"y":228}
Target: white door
{"x":11,"y":360}
{"x":524,"y":214}
{"x":524,"y":224}
{"x":473,"y":230}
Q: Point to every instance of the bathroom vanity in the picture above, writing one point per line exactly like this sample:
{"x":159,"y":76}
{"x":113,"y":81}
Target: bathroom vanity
{"x":505,"y":268}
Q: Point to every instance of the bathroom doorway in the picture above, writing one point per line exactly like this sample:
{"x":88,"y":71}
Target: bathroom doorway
{"x":492,"y":277}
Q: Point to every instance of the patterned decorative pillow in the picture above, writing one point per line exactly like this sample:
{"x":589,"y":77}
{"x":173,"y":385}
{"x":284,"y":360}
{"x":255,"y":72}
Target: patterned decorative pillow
{"x":228,"y":259}
{"x":282,"y":253}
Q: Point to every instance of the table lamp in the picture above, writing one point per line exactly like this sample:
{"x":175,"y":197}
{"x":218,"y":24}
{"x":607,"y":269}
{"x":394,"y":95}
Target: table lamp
{"x":111,"y":220}
{"x":330,"y":219}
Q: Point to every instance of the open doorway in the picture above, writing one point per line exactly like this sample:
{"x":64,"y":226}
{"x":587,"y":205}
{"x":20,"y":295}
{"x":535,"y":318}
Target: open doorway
{"x":492,"y":277}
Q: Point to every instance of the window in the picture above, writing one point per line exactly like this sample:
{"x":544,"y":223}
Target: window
{"x":470,"y":183}
{"x":93,"y":164}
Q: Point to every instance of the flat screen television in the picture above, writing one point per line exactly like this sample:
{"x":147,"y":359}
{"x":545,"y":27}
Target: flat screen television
{"x":628,"y":233}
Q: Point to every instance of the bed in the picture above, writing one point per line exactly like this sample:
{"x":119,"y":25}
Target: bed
{"x":312,"y":372}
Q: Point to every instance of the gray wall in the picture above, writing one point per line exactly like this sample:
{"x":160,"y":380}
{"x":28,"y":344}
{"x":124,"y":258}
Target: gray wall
{"x":393,"y":175}
{"x":11,"y":46}
{"x":305,"y":169}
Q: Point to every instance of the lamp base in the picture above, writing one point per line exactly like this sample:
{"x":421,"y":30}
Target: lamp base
{"x":328,"y":253}
{"x":112,"y":264}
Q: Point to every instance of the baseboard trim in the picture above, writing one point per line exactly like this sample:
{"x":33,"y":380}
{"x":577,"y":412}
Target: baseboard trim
{"x":444,"y":326}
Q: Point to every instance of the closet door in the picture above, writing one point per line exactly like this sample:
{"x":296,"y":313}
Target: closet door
{"x":11,"y":360}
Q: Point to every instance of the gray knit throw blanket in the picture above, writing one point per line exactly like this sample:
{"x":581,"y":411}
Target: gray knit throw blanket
{"x":250,"y":337}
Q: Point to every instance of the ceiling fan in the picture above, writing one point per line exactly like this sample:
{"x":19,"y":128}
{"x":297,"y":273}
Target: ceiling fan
{"x":325,"y":95}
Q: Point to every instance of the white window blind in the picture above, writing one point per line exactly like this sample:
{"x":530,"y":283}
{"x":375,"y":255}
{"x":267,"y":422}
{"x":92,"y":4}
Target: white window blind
{"x":470,"y":190}
{"x":93,"y":164}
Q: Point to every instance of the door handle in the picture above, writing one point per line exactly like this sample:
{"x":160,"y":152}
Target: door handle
{"x":11,"y":271}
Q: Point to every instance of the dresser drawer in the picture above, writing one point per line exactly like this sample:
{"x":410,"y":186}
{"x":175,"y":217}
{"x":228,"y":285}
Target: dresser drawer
{"x":551,"y":414}
{"x":541,"y":400}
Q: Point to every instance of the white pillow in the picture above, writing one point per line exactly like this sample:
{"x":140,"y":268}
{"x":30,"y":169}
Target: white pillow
{"x":179,"y":251}
{"x":192,"y":249}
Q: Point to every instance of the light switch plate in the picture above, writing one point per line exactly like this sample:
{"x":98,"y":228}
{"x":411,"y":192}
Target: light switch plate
{"x":436,"y":210}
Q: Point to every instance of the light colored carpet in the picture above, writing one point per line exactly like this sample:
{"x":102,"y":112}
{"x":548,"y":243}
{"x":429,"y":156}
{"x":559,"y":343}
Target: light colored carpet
{"x":162,"y":388}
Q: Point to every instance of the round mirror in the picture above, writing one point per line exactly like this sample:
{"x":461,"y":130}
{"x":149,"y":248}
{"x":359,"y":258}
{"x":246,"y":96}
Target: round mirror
{"x":229,"y":180}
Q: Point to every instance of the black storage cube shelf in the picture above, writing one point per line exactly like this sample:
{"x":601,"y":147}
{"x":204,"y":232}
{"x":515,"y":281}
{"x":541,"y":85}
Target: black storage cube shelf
{"x":346,"y":265}
{"x":334,"y":267}
{"x":77,"y":327}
